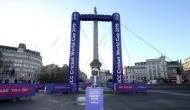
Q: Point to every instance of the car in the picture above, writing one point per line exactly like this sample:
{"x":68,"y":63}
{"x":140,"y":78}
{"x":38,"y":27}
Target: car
{"x":152,"y":82}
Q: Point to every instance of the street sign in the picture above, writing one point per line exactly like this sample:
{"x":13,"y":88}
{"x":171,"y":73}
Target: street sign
{"x":94,"y":98}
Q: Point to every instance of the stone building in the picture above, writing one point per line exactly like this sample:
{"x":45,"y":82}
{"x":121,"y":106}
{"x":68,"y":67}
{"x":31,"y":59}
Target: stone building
{"x":186,"y":67}
{"x":19,"y":64}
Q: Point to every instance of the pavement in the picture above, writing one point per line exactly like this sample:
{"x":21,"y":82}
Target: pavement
{"x":152,"y":100}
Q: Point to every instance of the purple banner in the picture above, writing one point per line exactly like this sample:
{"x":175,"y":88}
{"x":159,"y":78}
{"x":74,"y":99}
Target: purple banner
{"x":40,"y":87}
{"x":74,"y":50}
{"x":94,"y":98}
{"x":117,"y":50}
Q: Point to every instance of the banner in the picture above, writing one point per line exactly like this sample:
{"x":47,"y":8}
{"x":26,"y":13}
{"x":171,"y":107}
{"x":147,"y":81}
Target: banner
{"x":126,"y":88}
{"x":58,"y":87}
{"x":117,"y":50}
{"x":16,"y":90}
{"x":74,"y":50}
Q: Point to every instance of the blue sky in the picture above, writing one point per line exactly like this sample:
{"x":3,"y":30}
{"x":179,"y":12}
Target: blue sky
{"x":38,"y":23}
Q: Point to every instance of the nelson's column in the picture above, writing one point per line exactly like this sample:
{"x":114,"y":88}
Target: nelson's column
{"x":95,"y":62}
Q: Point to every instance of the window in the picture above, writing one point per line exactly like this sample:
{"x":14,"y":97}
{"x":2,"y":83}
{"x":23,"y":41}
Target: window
{"x":159,"y":73}
{"x":150,"y":77}
{"x":153,"y":63}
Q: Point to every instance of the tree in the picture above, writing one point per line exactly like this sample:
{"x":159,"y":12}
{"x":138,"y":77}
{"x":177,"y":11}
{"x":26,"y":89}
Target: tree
{"x":43,"y":78}
{"x":1,"y":62}
{"x":81,"y":80}
{"x":65,"y":70}
{"x":110,"y":80}
{"x":13,"y":72}
{"x":54,"y":74}
{"x":178,"y":71}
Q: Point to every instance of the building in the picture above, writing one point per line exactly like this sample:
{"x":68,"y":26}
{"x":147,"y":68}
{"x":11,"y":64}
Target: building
{"x":19,"y":64}
{"x":102,"y":77}
{"x":172,"y":70}
{"x":186,"y":67}
{"x":156,"y":68}
{"x":143,"y":71}
{"x":129,"y":74}
{"x":186,"y":64}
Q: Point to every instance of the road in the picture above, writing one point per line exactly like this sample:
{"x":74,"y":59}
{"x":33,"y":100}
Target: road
{"x":153,"y":100}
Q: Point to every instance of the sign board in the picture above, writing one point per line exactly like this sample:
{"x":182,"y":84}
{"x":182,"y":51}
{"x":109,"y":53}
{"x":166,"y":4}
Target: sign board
{"x":94,"y":98}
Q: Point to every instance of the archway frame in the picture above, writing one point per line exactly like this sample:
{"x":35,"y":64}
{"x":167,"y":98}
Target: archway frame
{"x":75,"y":44}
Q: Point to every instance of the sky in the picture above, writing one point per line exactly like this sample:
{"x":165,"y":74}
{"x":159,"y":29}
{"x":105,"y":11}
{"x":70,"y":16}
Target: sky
{"x":44,"y":26}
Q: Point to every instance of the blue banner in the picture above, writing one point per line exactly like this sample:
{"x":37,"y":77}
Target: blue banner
{"x":94,"y":98}
{"x":95,"y":17}
{"x":141,"y":87}
{"x":74,"y":50}
{"x":117,"y":50}
{"x":58,"y":87}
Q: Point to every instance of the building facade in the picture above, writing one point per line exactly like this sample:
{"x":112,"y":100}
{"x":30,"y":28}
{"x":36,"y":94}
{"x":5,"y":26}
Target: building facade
{"x":156,"y":68}
{"x":102,"y":77}
{"x":19,"y":64}
{"x":152,"y":69}
{"x":129,"y":74}
{"x":141,"y":71}
{"x":172,"y":67}
{"x":186,"y":64}
{"x":186,"y":67}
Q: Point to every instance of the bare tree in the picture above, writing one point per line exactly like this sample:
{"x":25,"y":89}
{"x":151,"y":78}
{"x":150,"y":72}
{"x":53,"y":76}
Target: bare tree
{"x":1,"y":62}
{"x":54,"y":75}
